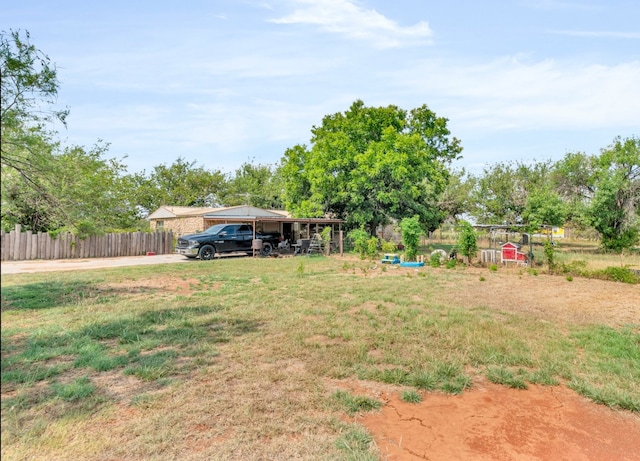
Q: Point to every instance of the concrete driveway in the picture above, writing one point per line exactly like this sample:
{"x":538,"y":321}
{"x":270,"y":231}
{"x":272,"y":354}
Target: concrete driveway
{"x":20,"y":267}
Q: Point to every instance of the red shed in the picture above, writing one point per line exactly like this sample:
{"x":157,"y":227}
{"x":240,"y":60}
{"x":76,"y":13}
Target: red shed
{"x":510,"y":253}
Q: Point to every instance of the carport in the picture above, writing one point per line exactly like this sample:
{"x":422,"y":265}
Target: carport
{"x":290,"y":228}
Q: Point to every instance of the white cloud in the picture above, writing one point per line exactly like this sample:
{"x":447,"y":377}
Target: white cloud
{"x":510,"y":94}
{"x":347,"y":18}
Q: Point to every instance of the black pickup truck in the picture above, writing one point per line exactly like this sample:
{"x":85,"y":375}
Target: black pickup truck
{"x":225,"y":238}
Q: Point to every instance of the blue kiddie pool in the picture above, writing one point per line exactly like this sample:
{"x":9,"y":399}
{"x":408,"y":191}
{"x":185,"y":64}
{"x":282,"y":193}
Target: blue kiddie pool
{"x":411,"y":264}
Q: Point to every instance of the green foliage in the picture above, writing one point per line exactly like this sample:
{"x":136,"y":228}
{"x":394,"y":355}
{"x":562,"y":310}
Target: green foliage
{"x":360,"y":239}
{"x":615,"y":274}
{"x":388,"y":246}
{"x":502,"y":375}
{"x":411,"y":232}
{"x":46,"y":187}
{"x":368,"y":165}
{"x":180,"y":184}
{"x":544,"y":207}
{"x":410,"y":396}
{"x":356,"y":443}
{"x":372,"y":247}
{"x":467,"y":243}
{"x":353,"y":404}
{"x":434,"y":260}
{"x":76,"y":390}
{"x":456,"y":199}
{"x":325,"y":235}
{"x":255,"y":185}
{"x":615,"y":206}
{"x":502,"y":192}
{"x":622,"y":274}
{"x":550,"y":255}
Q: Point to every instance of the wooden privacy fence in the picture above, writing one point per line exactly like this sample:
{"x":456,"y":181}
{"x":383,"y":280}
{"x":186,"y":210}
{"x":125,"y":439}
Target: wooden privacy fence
{"x":21,"y":246}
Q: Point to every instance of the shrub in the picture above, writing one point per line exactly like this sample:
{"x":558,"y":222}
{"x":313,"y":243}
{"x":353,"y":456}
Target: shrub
{"x":467,"y":242}
{"x":411,"y":232}
{"x":549,"y":255}
{"x":372,"y":247}
{"x":359,"y":237}
{"x":388,"y":246}
{"x":621,"y":274}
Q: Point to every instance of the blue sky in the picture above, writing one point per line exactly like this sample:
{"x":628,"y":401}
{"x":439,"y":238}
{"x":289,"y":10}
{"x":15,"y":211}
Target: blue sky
{"x":224,"y":82}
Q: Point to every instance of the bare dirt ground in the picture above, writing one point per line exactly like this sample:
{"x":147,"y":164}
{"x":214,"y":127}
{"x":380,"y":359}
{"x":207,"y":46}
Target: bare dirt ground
{"x":492,"y":422}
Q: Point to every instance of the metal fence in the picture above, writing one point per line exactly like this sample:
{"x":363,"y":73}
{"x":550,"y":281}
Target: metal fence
{"x":20,"y":246}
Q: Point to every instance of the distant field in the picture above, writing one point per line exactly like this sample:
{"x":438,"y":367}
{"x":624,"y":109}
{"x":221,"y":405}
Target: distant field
{"x":246,"y":358}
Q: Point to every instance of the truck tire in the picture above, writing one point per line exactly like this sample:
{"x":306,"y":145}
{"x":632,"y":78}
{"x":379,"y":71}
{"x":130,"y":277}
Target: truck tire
{"x":266,"y":249}
{"x":207,"y":252}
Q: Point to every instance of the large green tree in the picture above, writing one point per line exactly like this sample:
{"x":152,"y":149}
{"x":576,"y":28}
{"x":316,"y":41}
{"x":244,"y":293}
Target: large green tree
{"x":574,"y":179}
{"x":182,"y":183}
{"x":29,"y":86}
{"x":456,"y":200}
{"x":257,"y":185}
{"x":615,"y":207}
{"x":46,"y":187}
{"x":370,"y":164}
{"x":513,"y":193}
{"x":82,"y":192}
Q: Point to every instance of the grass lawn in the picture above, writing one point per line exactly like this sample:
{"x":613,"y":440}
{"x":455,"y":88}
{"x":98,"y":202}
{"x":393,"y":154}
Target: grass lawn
{"x":243,"y":358}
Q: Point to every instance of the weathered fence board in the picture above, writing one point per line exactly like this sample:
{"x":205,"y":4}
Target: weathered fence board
{"x":19,"y":246}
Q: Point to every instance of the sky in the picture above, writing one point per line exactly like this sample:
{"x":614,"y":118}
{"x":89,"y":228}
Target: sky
{"x":226,"y":82}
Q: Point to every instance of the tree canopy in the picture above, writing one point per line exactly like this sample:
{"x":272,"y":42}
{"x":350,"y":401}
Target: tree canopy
{"x":370,"y":164}
{"x":587,"y":191}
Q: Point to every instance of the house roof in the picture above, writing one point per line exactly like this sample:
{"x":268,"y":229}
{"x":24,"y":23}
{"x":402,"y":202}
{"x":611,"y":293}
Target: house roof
{"x":234,"y":214}
{"x":180,"y":211}
{"x":245,"y":211}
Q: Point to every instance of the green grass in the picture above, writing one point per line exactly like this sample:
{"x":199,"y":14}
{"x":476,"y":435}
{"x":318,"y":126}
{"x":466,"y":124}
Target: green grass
{"x":353,"y":404}
{"x":410,"y":396}
{"x":259,"y":338}
{"x":356,"y":444}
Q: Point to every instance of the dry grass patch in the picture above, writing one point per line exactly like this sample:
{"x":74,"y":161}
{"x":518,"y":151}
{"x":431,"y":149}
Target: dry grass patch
{"x":241,"y":358}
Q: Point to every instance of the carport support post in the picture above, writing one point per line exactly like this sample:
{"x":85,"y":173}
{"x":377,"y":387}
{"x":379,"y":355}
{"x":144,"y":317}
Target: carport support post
{"x":340,"y":241}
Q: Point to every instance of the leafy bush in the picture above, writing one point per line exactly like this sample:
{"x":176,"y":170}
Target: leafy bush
{"x":372,"y":247}
{"x":467,"y":242}
{"x":621,"y":274}
{"x":388,"y":246}
{"x":549,"y":256}
{"x":411,"y":232}
{"x":359,"y":237}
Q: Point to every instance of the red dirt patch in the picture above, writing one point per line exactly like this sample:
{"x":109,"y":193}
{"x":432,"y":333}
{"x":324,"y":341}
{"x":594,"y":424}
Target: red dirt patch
{"x":492,"y":422}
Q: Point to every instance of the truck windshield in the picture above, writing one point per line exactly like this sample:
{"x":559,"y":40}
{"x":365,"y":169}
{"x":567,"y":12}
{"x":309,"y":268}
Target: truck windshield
{"x":215,"y":229}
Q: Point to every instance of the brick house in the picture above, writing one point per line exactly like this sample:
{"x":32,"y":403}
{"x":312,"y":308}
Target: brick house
{"x":190,"y":220}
